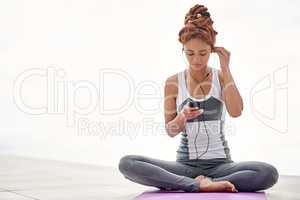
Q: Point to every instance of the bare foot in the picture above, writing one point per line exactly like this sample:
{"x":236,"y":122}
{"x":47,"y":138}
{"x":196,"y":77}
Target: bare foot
{"x":207,"y":185}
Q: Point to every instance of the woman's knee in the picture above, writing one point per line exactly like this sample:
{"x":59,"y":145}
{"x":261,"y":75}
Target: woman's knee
{"x":126,"y":163}
{"x":268,"y":176}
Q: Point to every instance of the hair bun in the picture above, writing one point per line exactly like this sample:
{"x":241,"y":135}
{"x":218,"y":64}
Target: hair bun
{"x":198,"y":23}
{"x":195,"y":13}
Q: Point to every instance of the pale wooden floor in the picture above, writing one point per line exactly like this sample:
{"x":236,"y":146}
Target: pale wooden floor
{"x":27,"y":178}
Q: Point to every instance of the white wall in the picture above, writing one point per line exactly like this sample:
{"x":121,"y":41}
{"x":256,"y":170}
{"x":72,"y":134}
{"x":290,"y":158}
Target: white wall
{"x":66,"y":44}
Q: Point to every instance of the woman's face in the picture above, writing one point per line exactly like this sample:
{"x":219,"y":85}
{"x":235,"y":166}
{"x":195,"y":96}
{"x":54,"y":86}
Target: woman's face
{"x":197,"y":53}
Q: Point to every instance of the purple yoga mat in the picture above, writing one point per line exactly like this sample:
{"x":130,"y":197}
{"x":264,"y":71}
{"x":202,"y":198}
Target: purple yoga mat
{"x":179,"y":194}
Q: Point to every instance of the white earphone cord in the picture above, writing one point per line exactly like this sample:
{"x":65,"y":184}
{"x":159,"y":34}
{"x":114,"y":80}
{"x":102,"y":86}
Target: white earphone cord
{"x":204,"y":126}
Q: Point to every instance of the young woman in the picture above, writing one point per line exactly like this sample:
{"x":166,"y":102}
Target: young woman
{"x":196,"y":100}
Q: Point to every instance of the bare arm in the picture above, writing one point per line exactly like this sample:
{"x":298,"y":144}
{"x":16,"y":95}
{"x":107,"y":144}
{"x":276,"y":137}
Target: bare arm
{"x":175,"y":122}
{"x":231,"y":95}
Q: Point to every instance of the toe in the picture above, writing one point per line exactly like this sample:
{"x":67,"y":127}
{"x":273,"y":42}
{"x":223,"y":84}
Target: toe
{"x":230,"y":187}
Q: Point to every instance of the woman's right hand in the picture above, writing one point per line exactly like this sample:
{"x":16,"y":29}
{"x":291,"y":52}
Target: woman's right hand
{"x":188,"y":112}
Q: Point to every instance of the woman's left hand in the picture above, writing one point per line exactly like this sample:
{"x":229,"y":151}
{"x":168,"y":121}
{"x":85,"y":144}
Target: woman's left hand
{"x":224,"y":57}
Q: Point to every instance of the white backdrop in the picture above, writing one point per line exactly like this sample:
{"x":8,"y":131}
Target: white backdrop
{"x":83,"y":81}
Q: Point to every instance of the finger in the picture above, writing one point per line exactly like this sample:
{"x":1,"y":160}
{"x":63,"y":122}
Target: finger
{"x":220,"y":52}
{"x":187,"y":107}
{"x":191,"y":115}
{"x":193,"y":108}
{"x":216,"y":49}
{"x":221,"y":55}
{"x":194,"y":113}
{"x":197,"y":112}
{"x":221,"y":49}
{"x":225,"y":51}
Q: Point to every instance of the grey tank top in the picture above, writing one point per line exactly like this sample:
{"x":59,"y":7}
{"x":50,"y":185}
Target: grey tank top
{"x":196,"y":144}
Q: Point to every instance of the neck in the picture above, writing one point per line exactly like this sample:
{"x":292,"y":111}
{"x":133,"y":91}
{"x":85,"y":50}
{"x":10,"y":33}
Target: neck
{"x":199,"y":74}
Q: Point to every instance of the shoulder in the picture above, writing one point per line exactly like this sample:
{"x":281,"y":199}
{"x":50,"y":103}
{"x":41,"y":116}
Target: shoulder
{"x":171,"y":84}
{"x":172,"y":79}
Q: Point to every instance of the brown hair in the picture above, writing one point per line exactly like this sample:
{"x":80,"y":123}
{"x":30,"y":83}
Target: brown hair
{"x":198,"y":24}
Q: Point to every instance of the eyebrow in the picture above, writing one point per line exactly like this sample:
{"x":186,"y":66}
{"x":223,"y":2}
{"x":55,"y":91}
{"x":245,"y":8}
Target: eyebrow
{"x":192,"y":50}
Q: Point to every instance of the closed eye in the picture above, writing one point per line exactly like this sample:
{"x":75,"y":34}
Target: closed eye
{"x":191,"y":54}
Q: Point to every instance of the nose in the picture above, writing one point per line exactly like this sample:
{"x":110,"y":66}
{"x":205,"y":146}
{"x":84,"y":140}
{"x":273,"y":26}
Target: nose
{"x":197,"y":60}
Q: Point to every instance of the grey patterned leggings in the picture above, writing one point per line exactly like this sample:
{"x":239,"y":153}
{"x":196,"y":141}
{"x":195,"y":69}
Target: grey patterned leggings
{"x":247,"y":176}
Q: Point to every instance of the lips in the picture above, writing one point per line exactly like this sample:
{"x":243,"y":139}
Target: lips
{"x":198,"y":65}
